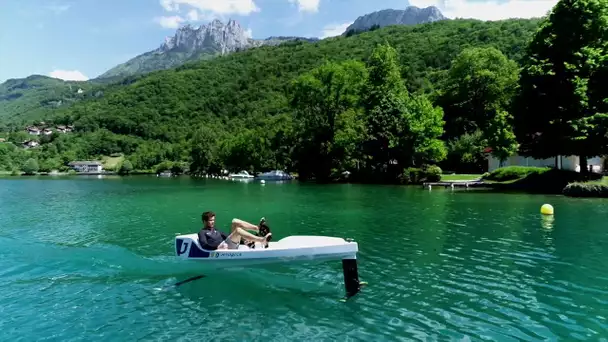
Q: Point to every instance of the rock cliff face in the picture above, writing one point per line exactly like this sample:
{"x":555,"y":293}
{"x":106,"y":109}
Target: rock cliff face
{"x":412,"y":15}
{"x":216,"y":36}
{"x":193,"y":43}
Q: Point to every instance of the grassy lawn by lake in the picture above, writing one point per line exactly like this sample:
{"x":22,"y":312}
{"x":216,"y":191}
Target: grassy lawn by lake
{"x":603,"y":181}
{"x":111,"y":162}
{"x":547,"y":180}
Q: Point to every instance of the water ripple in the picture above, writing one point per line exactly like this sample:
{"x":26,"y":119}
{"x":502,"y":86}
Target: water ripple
{"x":440,"y":265}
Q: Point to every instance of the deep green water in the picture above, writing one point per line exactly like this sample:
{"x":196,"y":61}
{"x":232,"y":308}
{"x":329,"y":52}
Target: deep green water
{"x":92,"y":259}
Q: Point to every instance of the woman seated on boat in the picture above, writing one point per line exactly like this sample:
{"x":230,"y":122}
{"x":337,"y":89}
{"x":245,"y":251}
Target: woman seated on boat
{"x":210,"y":238}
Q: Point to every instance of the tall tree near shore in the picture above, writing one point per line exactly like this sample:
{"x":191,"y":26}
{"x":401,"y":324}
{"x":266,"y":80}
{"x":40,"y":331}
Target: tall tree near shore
{"x":30,"y":167}
{"x":385,"y":104}
{"x":500,"y":136}
{"x":205,"y":150}
{"x":481,"y":82}
{"x":420,"y":141}
{"x":476,"y":94}
{"x":562,"y":107}
{"x":326,"y":104}
{"x":400,"y":127}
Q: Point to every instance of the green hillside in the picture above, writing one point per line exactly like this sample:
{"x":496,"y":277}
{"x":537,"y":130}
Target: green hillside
{"x":253,"y":83}
{"x":33,"y":97}
{"x":155,"y":60}
{"x":152,"y":61}
{"x":241,"y":102}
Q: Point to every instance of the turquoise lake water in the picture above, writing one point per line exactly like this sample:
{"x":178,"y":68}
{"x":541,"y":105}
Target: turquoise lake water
{"x":92,"y":259}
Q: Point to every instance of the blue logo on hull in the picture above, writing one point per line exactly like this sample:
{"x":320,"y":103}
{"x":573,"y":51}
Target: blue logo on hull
{"x":181,"y":247}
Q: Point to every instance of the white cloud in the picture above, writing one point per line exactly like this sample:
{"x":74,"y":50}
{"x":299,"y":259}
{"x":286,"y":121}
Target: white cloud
{"x":68,"y":75}
{"x":333,"y":30}
{"x":489,"y":10}
{"x":193,"y":15}
{"x":249,"y":33}
{"x":220,"y":7}
{"x":203,"y":10}
{"x":170,"y":22}
{"x":306,"y":5}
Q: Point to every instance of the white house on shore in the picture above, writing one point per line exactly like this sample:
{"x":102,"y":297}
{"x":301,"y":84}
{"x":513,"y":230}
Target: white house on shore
{"x":570,"y":163}
{"x":33,"y":130}
{"x":87,"y":166}
{"x":30,"y":144}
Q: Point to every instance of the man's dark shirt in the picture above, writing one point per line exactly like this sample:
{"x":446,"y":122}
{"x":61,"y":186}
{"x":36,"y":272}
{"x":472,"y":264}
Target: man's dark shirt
{"x":210,"y":238}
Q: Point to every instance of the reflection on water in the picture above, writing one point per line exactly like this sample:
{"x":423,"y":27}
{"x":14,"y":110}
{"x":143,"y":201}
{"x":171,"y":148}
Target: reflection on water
{"x":547,"y":221}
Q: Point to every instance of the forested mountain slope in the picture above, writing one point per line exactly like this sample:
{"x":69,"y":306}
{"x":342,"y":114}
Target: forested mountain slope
{"x":253,"y":83}
{"x":241,"y":100}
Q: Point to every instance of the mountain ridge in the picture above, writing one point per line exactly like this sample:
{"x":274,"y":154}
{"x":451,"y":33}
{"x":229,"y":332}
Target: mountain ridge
{"x":411,"y":15}
{"x":191,"y":43}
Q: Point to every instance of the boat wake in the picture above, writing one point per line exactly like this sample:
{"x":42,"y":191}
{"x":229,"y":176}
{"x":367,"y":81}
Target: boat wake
{"x":105,"y":261}
{"x":53,"y":265}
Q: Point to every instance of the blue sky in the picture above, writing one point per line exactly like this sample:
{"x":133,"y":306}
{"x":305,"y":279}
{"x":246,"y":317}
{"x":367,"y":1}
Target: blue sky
{"x":79,"y":39}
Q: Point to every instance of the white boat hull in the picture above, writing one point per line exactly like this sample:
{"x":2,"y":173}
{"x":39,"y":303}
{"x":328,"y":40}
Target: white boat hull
{"x":289,"y":249}
{"x":241,"y":175}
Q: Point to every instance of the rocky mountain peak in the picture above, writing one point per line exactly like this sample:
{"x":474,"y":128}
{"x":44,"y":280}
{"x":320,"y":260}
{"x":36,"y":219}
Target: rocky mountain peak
{"x":215,"y":35}
{"x":412,"y":15}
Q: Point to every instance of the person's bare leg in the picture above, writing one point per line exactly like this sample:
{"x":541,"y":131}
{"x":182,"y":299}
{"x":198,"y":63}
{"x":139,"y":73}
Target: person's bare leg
{"x":237,"y":233}
{"x":239,"y":227}
{"x":243,"y":224}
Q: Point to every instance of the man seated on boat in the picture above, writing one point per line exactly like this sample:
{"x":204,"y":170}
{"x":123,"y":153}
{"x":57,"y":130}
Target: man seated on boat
{"x":210,"y":238}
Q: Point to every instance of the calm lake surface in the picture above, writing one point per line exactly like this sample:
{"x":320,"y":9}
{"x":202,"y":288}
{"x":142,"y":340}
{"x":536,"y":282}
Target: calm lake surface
{"x":92,"y":259}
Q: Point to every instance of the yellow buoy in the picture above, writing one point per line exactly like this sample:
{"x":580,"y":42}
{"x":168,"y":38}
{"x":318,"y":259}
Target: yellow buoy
{"x":546,"y":209}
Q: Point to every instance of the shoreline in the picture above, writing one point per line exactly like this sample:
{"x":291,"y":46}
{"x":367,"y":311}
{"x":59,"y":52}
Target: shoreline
{"x":75,"y":174}
{"x":572,"y":189}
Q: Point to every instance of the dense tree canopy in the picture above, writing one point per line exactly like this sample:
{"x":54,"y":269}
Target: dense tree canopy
{"x":399,"y":126}
{"x":563,"y":104}
{"x":326,"y":103}
{"x":476,"y":94}
{"x":480,"y":82}
{"x":363,"y":102}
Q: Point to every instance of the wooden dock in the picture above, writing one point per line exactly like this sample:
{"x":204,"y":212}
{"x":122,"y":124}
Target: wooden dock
{"x":455,"y":184}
